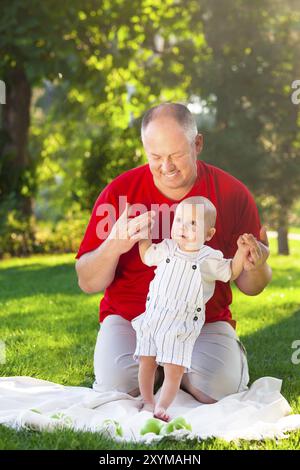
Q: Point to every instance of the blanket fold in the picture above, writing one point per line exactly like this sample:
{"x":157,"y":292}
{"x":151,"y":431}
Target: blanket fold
{"x":260,"y":412}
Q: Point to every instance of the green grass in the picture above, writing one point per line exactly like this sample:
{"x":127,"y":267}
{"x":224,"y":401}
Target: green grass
{"x":50,"y":330}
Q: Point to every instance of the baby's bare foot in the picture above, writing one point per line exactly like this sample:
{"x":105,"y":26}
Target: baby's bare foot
{"x":160,"y":413}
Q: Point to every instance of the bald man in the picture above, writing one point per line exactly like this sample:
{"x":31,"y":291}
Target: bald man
{"x":143,"y":199}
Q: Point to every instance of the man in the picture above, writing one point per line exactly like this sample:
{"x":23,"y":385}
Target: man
{"x":112,"y":263}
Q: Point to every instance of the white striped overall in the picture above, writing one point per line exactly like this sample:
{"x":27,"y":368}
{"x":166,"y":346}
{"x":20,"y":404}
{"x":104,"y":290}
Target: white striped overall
{"x":175,"y":310}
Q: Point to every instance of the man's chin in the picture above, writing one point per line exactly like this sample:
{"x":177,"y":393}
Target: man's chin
{"x":172,"y":182}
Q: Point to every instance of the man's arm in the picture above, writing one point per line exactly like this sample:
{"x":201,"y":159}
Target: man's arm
{"x":256,"y":274}
{"x":96,"y":269}
{"x":253,"y":282}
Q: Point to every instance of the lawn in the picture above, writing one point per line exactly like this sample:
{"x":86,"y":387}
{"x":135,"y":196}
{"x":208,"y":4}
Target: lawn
{"x":50,"y":328}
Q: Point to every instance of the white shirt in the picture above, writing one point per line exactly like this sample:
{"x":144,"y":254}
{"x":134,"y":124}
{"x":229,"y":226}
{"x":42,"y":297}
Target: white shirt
{"x":213,"y":266}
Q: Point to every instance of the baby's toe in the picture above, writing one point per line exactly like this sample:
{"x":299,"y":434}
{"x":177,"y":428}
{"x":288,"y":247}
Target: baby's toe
{"x":160,"y":413}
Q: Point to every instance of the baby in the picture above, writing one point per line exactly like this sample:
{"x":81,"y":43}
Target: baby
{"x":175,"y":309}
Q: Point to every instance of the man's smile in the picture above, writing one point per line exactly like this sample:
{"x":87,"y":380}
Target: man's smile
{"x":172,"y":174}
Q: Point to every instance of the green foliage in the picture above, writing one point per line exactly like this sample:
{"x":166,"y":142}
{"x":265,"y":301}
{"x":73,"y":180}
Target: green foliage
{"x":16,"y":231}
{"x":63,"y":236}
{"x":251,"y":61}
{"x":37,"y":37}
{"x":94,"y":67}
{"x":114,"y":152}
{"x":21,"y":236}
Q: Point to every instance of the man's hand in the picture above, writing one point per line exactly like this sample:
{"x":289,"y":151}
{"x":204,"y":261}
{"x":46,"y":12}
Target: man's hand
{"x":126,"y":232}
{"x":258,"y":250}
{"x":256,"y":272}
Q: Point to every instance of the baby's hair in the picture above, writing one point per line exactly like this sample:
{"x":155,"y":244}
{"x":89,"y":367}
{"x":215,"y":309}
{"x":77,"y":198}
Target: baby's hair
{"x":210,"y":210}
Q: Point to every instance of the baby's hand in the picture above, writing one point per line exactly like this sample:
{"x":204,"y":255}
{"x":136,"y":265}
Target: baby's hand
{"x":250,"y":247}
{"x":243,"y":244}
{"x":256,"y":257}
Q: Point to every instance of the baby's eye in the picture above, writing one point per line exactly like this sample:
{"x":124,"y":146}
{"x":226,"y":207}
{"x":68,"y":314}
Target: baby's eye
{"x":193,"y":222}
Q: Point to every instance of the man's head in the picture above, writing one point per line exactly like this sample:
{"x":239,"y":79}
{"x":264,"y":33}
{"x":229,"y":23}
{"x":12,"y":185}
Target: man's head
{"x":172,"y":143}
{"x":194,"y":222}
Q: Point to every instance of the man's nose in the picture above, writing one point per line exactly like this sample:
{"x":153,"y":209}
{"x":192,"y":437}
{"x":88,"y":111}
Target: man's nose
{"x":168,"y":166}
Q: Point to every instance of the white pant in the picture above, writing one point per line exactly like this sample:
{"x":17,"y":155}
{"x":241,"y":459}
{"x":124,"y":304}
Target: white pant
{"x":219,"y":365}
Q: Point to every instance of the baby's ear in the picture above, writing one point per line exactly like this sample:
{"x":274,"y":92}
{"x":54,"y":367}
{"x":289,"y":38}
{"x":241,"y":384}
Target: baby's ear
{"x":211,"y":233}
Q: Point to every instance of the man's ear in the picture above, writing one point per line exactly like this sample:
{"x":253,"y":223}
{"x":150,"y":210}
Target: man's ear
{"x":211,"y":233}
{"x":199,"y":143}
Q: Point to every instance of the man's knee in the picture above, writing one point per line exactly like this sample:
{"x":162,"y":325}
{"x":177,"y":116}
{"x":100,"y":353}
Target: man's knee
{"x":115,"y":381}
{"x":123,"y":379}
{"x":120,"y":374}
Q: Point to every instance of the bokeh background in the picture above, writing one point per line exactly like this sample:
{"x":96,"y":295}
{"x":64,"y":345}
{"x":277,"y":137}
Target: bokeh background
{"x":80,"y":74}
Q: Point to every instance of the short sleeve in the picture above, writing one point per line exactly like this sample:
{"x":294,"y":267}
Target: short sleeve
{"x":156,"y":253}
{"x":104,"y":215}
{"x":216,"y":268}
{"x":246,"y":220}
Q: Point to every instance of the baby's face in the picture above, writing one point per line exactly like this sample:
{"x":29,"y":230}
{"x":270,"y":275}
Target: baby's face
{"x":188,"y":228}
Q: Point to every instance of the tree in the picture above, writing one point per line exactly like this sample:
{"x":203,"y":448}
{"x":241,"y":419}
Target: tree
{"x":281,"y":133}
{"x":34,"y":44}
{"x":98,"y":48}
{"x":252,"y":59}
{"x":91,"y":130}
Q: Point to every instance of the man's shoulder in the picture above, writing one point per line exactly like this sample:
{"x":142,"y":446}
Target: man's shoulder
{"x":222,"y":177}
{"x":125,"y":183}
{"x":129,"y":176}
{"x":122,"y":183}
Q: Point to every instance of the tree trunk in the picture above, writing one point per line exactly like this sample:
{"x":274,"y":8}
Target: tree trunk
{"x":282,"y":231}
{"x":283,"y":244}
{"x":16,"y":121}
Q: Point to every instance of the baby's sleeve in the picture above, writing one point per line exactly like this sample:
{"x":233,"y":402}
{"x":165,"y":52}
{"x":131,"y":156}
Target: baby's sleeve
{"x":216,"y":268}
{"x":156,"y":253}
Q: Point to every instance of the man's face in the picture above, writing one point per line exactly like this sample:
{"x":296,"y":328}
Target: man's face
{"x":188,"y":226}
{"x":172,"y":158}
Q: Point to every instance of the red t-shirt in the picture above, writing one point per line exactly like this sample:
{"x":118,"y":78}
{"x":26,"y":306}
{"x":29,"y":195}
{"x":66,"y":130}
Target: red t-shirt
{"x":236,"y":214}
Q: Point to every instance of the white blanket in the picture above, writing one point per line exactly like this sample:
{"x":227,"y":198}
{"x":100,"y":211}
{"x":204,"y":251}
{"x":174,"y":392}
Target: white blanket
{"x":261,"y":412}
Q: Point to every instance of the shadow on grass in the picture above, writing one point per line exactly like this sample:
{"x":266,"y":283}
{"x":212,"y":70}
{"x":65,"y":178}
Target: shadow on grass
{"x":33,"y":279}
{"x":285,"y":278}
{"x":269,"y":349}
{"x":40,"y":319}
{"x":269,"y":352}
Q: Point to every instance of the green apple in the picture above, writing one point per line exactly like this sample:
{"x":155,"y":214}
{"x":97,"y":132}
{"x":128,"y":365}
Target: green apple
{"x":152,"y":425}
{"x":176,"y":423}
{"x":181,"y":423}
{"x":115,"y":425}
